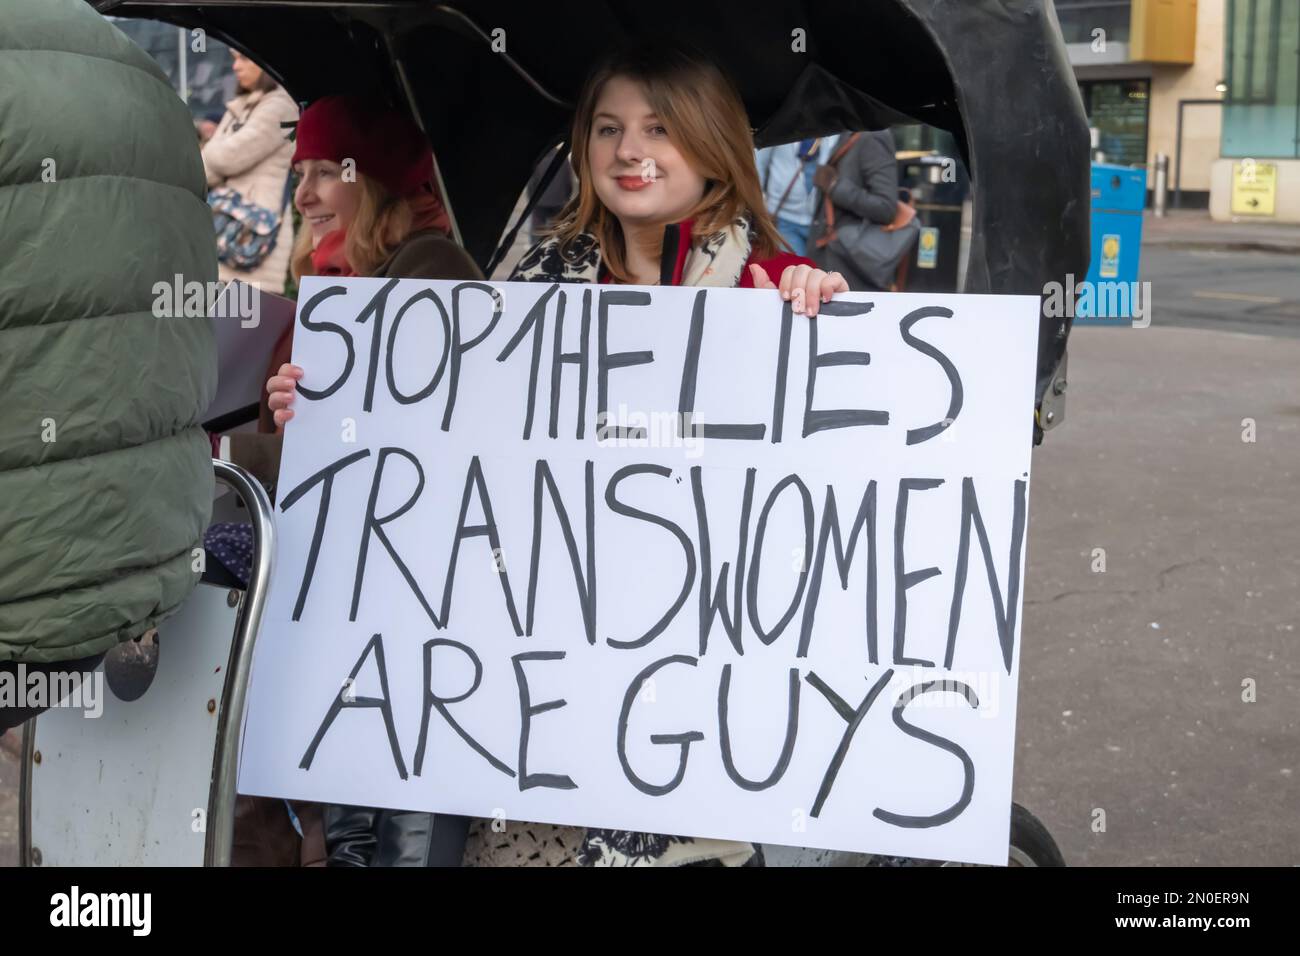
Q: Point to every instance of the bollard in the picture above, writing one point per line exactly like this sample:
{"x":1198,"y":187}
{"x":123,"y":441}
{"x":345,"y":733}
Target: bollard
{"x":1160,"y":189}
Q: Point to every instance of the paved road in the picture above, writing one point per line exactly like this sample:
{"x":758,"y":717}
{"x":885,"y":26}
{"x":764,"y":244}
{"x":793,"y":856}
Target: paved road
{"x":1254,"y":292}
{"x":1131,"y":698}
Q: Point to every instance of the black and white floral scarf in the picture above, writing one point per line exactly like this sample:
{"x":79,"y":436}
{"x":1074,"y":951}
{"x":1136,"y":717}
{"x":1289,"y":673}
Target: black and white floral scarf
{"x":715,"y":260}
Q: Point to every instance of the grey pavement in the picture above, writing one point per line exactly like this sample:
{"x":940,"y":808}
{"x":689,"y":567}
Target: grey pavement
{"x":1133,"y":679}
{"x":1194,"y":229}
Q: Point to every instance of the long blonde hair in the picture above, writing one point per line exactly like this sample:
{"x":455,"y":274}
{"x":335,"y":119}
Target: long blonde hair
{"x":381,"y":222}
{"x":705,"y":120}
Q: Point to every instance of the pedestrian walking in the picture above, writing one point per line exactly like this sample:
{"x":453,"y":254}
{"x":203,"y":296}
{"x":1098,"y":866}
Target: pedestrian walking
{"x":789,"y":189}
{"x":862,"y":229}
{"x":246,"y":160}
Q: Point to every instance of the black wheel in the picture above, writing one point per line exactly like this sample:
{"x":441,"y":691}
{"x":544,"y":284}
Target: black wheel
{"x":1031,"y":844}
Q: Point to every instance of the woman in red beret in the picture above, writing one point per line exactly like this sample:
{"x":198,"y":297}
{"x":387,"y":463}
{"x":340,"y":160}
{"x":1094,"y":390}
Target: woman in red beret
{"x":369,"y":208}
{"x":367,"y":199}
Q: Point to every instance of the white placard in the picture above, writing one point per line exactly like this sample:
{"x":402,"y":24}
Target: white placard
{"x":481,"y":606}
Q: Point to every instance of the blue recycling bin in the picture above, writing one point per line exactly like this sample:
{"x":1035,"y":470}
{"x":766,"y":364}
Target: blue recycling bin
{"x":1119,"y":194}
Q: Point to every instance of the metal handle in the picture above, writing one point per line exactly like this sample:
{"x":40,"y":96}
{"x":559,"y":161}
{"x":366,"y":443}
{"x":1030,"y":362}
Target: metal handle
{"x":225,"y":764}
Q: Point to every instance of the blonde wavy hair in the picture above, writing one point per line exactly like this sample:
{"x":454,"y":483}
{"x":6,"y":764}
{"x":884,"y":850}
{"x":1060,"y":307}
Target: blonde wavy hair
{"x":381,"y":222}
{"x":706,"y":121}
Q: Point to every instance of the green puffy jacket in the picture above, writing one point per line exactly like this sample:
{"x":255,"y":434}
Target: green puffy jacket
{"x":105,"y":477}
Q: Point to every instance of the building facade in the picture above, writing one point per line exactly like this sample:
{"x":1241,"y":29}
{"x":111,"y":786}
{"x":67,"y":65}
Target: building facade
{"x":197,"y":66}
{"x":1150,"y":73}
{"x":1212,"y":84}
{"x":1258,"y":174}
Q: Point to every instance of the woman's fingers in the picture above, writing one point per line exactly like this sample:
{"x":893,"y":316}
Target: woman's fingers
{"x":794,"y":281}
{"x":760,"y":277}
{"x":784,"y":284}
{"x":288,"y":376}
{"x":806,"y":288}
{"x":832,"y":283}
{"x":819,"y":289}
{"x":288,"y":373}
{"x":792,"y":278}
{"x":281,"y":389}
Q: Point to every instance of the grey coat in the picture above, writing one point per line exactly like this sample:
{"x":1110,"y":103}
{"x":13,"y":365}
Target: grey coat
{"x":866,"y":189}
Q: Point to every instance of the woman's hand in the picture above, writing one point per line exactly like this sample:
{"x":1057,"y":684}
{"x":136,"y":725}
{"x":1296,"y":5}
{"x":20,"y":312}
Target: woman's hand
{"x":282,"y":388}
{"x":803,"y":286}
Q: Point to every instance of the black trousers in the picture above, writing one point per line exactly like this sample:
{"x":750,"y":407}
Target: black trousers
{"x":13,"y":716}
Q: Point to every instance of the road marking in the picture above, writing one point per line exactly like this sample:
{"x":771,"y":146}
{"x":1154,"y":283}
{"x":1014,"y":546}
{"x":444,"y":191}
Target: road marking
{"x":1237,"y":297}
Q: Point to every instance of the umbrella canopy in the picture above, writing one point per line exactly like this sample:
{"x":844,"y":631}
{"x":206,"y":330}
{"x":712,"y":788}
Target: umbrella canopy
{"x":492,"y":83}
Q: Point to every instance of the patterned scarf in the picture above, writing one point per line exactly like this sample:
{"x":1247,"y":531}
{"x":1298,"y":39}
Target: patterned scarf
{"x":716,"y":260}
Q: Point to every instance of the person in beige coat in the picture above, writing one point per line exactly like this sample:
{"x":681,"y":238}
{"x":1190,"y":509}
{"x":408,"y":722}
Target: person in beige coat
{"x":250,"y":153}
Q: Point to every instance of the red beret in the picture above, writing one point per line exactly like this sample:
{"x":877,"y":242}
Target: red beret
{"x":385,"y":144}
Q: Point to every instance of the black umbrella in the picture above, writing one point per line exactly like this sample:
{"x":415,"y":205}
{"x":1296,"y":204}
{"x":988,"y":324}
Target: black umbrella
{"x":492,"y":83}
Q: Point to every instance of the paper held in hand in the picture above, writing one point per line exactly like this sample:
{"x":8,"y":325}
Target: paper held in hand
{"x":660,"y":559}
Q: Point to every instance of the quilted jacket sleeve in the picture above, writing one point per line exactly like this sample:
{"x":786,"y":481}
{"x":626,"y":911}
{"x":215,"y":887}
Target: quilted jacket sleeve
{"x":105,"y":474}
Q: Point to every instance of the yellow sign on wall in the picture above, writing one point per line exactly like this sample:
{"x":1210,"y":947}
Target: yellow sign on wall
{"x":1254,"y":188}
{"x":1162,"y":31}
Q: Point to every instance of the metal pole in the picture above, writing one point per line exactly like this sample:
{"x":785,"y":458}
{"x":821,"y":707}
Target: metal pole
{"x":1178,"y":158}
{"x":183,"y":65}
{"x":225,"y":767}
{"x":1161,"y":185}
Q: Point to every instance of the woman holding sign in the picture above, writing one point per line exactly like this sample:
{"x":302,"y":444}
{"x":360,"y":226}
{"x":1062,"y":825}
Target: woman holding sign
{"x":369,"y":208}
{"x":667,"y":194}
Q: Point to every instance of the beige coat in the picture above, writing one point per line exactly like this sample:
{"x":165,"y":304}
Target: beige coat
{"x":250,"y":153}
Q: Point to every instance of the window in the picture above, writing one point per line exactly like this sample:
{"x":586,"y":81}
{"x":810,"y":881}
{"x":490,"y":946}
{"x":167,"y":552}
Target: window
{"x":1119,"y":109}
{"x":1261,"y":113}
{"x":1253,"y":37}
{"x":1079,"y":18}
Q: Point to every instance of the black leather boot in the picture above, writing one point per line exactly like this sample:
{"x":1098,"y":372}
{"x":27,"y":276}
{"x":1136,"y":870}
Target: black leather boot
{"x":367,"y":836}
{"x":349,"y":835}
